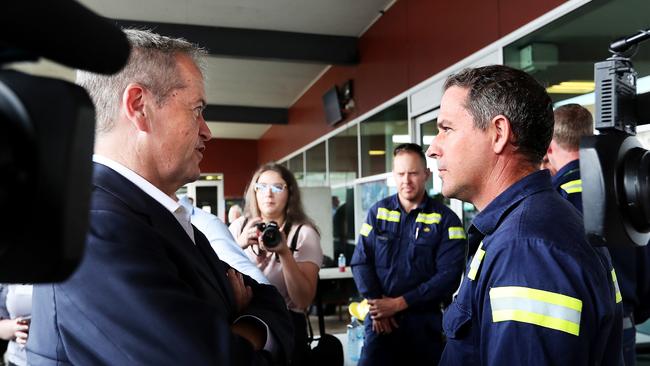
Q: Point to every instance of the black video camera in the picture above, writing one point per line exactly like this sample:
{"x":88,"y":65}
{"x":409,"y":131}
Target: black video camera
{"x":47,"y":134}
{"x":270,"y":233}
{"x":615,"y":168}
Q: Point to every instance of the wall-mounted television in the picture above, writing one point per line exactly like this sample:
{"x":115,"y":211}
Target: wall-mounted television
{"x":332,"y":106}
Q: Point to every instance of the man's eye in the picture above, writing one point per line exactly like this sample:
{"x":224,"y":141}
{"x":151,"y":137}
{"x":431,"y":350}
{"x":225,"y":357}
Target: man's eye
{"x":198,"y":111}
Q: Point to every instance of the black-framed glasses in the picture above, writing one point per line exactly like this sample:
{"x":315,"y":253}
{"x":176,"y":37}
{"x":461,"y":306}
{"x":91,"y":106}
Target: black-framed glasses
{"x":275,"y":187}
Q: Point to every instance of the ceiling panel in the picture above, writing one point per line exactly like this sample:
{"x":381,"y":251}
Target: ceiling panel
{"x":257,"y":83}
{"x":335,"y":17}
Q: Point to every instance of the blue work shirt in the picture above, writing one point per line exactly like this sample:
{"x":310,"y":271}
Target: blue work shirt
{"x":535,"y":292}
{"x":419,"y":255}
{"x":568,"y":184}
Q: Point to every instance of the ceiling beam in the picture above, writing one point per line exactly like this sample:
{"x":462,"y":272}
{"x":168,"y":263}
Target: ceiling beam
{"x":243,"y":114}
{"x":260,"y":44}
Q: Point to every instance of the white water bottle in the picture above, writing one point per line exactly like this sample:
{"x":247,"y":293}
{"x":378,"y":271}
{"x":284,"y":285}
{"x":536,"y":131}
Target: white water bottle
{"x":341,"y":263}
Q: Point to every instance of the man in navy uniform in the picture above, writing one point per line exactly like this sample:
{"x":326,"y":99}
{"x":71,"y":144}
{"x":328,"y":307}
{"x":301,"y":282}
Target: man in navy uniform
{"x":535,"y":292}
{"x":572,"y":122}
{"x":408,"y":262}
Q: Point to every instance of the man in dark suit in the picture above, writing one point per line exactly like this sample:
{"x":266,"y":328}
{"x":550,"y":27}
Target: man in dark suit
{"x":150,"y":290}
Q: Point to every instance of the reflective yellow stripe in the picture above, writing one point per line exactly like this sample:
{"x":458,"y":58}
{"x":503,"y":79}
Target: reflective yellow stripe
{"x":365,"y":229}
{"x":536,"y":319}
{"x":428,"y":218}
{"x":574,"y":186}
{"x":538,"y":307}
{"x":619,"y":298}
{"x":539,"y":295}
{"x":476,"y":262}
{"x":385,"y":214}
{"x":456,"y":232}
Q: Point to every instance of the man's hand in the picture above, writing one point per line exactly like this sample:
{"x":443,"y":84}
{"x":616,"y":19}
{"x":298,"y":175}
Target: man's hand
{"x":243,"y":294}
{"x":384,"y":326}
{"x":251,"y":331}
{"x":386,"y":307}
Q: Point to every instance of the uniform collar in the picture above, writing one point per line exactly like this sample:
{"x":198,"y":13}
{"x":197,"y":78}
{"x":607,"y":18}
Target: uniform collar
{"x":488,"y":219}
{"x":396,"y":205}
{"x":570,"y":167}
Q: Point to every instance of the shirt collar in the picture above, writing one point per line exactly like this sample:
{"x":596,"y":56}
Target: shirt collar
{"x":488,"y":219}
{"x":571,"y":166}
{"x":396,"y":205}
{"x":142,"y":183}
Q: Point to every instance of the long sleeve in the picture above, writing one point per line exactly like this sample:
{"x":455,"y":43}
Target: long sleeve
{"x":363,"y":260}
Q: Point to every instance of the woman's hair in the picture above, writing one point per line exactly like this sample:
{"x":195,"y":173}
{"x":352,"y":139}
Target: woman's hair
{"x":294,"y":212}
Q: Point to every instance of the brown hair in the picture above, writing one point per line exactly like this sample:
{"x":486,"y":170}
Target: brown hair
{"x":572,"y":121}
{"x":294,"y":212}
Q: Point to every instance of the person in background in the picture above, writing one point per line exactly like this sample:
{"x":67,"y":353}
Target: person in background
{"x":546,"y":164}
{"x":15,"y":310}
{"x":572,"y":122}
{"x":407,"y":263}
{"x":234,"y":212}
{"x":221,"y":240}
{"x":273,"y":195}
{"x":150,"y":290}
{"x":535,"y":292}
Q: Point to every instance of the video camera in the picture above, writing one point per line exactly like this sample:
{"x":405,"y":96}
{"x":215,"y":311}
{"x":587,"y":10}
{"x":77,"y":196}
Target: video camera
{"x":46,"y":135}
{"x":615,"y":168}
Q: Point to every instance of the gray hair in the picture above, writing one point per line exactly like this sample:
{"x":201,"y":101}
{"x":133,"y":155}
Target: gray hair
{"x":152,"y":64}
{"x":502,"y":90}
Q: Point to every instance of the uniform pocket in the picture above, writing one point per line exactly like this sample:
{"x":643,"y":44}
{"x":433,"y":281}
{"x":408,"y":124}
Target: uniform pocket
{"x":421,"y":256}
{"x":456,"y":322}
{"x":383,"y":248}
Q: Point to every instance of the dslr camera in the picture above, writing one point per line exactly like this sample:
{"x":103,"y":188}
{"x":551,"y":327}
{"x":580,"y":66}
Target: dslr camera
{"x":270,"y":233}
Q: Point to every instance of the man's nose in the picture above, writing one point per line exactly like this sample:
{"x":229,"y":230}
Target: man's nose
{"x":433,"y":151}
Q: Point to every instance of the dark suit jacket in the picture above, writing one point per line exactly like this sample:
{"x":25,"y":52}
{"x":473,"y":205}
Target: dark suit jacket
{"x":144,"y":294}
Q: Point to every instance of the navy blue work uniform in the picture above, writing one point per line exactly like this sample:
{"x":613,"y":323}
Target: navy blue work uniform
{"x":625,"y":260}
{"x":535,"y":291}
{"x":419,"y":255}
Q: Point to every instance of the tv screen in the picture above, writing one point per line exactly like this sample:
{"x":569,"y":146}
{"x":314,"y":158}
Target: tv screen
{"x":332,"y":106}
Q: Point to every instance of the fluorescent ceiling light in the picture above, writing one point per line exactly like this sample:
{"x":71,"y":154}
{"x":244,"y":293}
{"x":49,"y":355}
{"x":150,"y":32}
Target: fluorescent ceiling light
{"x":401,"y":139}
{"x":376,"y":152}
{"x":571,"y":87}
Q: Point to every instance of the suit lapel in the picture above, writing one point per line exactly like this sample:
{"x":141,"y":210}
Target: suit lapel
{"x":166,"y":224}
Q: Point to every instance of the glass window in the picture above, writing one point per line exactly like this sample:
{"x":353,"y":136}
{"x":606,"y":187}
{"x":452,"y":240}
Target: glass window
{"x":379,"y":136}
{"x":344,"y":232}
{"x":296,"y":166}
{"x":315,"y":167}
{"x":369,"y":193}
{"x":343,"y":154}
{"x":561,"y":55}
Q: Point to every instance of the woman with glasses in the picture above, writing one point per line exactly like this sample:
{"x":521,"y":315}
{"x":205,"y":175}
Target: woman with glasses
{"x":292,"y":265}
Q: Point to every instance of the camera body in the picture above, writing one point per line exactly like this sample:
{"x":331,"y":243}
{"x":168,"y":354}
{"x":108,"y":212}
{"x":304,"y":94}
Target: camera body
{"x":270,"y":233}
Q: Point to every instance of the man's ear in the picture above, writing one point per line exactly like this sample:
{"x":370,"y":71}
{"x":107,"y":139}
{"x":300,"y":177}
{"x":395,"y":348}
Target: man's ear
{"x":133,"y":104}
{"x":549,"y":151}
{"x":502,"y":133}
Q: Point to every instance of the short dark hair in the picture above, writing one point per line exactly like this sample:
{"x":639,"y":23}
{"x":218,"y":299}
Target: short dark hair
{"x":412,"y":148}
{"x":502,"y":90}
{"x":572,"y":122}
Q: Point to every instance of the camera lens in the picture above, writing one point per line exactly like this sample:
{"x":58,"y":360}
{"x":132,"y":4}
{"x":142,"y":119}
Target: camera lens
{"x":270,"y":234}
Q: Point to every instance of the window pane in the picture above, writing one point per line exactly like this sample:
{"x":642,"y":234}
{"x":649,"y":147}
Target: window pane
{"x":343,"y":222}
{"x":343,"y":156}
{"x":379,"y":136}
{"x":369,"y":194}
{"x":315,"y":170}
{"x":297,"y":168}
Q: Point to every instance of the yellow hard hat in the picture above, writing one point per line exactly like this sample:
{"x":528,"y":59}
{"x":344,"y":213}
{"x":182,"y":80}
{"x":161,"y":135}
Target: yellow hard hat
{"x":359,"y":310}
